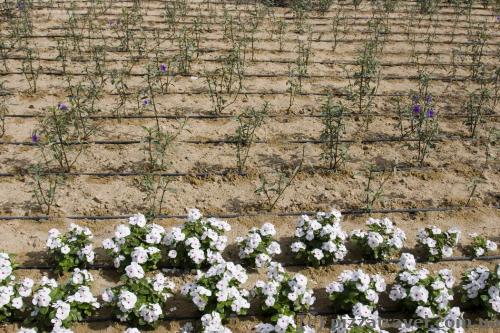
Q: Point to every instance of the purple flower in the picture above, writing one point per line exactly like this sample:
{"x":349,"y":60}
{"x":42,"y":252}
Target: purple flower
{"x":62,"y":106}
{"x":416,"y":109}
{"x":430,"y":113}
{"x":35,"y":138}
{"x":146,"y":102}
{"x":428,"y":99}
{"x":21,"y":5}
{"x":163,"y":68}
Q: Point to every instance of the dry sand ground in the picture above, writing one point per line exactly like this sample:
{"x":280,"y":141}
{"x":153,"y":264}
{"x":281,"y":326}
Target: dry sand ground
{"x":442,"y":183}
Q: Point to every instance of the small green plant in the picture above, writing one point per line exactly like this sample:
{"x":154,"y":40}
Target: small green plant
{"x":187,"y":50}
{"x":477,"y":39}
{"x":293,"y":86}
{"x":426,"y":134}
{"x":304,"y":54}
{"x":333,"y":119}
{"x":44,"y":187}
{"x":58,"y":138}
{"x":472,"y":187}
{"x":280,"y":31}
{"x":366,"y":80}
{"x":491,"y":147}
{"x":338,"y":25}
{"x":248,"y":122}
{"x":155,"y":188}
{"x":31,"y":67}
{"x":273,"y":188}
{"x":119,"y":80}
{"x":374,"y":189}
{"x":476,"y":107}
{"x":157,"y":141}
{"x":4,"y":110}
{"x":226,"y":82}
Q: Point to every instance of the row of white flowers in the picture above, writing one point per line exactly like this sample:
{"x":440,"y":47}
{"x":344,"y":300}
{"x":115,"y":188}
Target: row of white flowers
{"x":218,"y":293}
{"x":201,"y":241}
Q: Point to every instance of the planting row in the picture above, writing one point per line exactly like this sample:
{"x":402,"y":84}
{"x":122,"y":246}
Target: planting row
{"x":200,"y":242}
{"x":141,"y":300}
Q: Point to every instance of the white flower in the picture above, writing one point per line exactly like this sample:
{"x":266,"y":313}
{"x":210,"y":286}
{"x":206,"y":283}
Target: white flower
{"x":407,"y":261}
{"x":424,"y":312}
{"x":491,"y":246}
{"x":127,"y":300}
{"x":138,"y":220}
{"x":65,"y":249}
{"x":42,"y":297}
{"x":139,"y":255}
{"x":374,"y":239}
{"x":122,"y":231}
{"x":27,"y":330}
{"x":318,"y":254}
{"x":134,"y":271}
{"x":419,"y":294}
{"x":172,"y":254}
{"x":335,"y":287}
{"x":479,"y":251}
{"x":297,"y":246}
{"x":63,"y":310}
{"x":274,"y":248}
{"x":397,"y":293}
{"x":132,"y":330}
{"x":151,"y":312}
{"x":194,"y":214}
{"x":108,"y":244}
{"x":447,"y":251}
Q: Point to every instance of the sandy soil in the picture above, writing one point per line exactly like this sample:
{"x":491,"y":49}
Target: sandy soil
{"x":202,"y":147}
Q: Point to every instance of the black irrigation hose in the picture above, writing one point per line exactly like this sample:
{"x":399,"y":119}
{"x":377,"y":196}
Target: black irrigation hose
{"x":400,"y":24}
{"x":216,"y":117}
{"x":221,"y":142}
{"x":238,"y":9}
{"x":277,"y":76}
{"x":264,"y":31}
{"x":238,"y":215}
{"x":214,"y":50}
{"x":395,"y":168}
{"x":384,"y":312}
{"x":103,"y":266}
{"x":284,"y":61}
{"x":342,"y":40}
{"x":255,"y":2}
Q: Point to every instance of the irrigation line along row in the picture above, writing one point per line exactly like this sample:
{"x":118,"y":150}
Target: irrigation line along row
{"x":277,"y":76}
{"x":178,"y":269}
{"x":239,"y":10}
{"x":279,"y":61}
{"x":264,"y":31}
{"x":256,"y":2}
{"x":268,"y":93}
{"x":208,"y":50}
{"x":240,"y":215}
{"x":228,"y":116}
{"x":353,"y":40}
{"x":222,"y":141}
{"x":223,"y":173}
{"x":385,"y":312}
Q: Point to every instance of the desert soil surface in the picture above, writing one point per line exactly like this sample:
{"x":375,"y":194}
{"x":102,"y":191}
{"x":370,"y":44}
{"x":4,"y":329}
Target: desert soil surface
{"x":102,"y":188}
